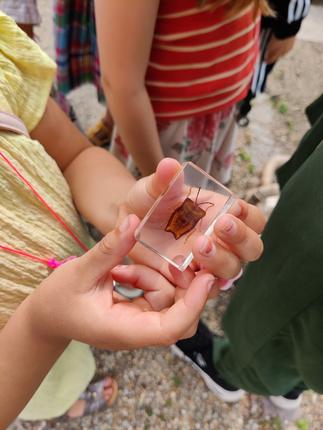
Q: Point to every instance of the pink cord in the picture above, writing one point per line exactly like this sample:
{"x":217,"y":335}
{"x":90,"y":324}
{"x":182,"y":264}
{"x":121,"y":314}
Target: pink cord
{"x":52,"y":263}
{"x":24,"y":254}
{"x":54,"y":214}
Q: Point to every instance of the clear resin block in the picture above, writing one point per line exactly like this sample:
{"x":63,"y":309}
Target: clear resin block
{"x":189,"y":207}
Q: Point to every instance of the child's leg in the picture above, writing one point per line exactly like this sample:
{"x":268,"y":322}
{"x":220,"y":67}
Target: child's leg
{"x":66,"y":390}
{"x":63,"y":385}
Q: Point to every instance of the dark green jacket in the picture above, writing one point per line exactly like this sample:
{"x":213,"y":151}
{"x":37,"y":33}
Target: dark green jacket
{"x":274,"y":322}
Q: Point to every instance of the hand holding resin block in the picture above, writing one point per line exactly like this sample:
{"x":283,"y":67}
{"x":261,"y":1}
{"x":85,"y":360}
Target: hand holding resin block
{"x":189,"y":207}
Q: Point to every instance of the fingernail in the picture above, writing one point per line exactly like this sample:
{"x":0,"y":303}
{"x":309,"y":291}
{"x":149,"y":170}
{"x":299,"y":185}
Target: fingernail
{"x":121,"y":267}
{"x":179,"y":260}
{"x":229,"y":227}
{"x":236,"y":209}
{"x":124,"y":225}
{"x":226,"y":284}
{"x":207,"y":247}
{"x":223,"y":282}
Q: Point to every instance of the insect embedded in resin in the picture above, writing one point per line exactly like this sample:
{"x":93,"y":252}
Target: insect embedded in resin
{"x":184,"y":219}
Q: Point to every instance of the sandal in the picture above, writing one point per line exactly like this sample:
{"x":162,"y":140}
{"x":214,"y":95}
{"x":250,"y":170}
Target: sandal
{"x":95,"y":390}
{"x":94,"y":399}
{"x":100,"y":134}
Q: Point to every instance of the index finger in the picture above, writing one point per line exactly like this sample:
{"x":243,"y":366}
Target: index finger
{"x":249,"y":214}
{"x":166,"y":328}
{"x":239,"y":238}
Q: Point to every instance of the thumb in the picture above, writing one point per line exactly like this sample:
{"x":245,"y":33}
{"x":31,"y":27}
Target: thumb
{"x":186,"y":311}
{"x":165,"y":171}
{"x":198,"y":291}
{"x":146,"y":190}
{"x":110,"y":251}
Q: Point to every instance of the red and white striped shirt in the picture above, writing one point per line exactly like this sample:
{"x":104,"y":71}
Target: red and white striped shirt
{"x":202,"y":59}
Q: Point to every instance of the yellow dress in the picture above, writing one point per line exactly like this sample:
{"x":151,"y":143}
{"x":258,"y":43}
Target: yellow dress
{"x":26,"y":75}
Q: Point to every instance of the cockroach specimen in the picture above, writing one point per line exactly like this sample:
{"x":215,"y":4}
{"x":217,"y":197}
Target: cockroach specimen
{"x":186,"y":216}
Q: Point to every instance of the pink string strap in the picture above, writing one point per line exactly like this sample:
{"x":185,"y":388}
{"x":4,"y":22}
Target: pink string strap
{"x":56,"y":263}
{"x":52,"y":263}
{"x":39,"y":197}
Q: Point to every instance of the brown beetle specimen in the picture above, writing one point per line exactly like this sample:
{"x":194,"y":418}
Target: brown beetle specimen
{"x":185,"y":217}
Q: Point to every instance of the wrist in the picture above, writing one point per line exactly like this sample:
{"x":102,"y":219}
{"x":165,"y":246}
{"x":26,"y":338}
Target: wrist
{"x":38,"y":324}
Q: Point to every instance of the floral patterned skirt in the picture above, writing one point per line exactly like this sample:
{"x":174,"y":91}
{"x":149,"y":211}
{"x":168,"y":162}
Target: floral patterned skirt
{"x":207,"y":140}
{"x":22,"y":11}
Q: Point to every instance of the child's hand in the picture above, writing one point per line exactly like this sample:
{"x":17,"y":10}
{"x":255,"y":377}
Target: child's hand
{"x":232,"y":246}
{"x":277,"y":48}
{"x":235,"y":240}
{"x":77,"y":300}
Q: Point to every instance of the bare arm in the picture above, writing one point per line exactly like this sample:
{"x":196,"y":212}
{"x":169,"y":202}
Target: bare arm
{"x":125,"y":31}
{"x":77,"y":302}
{"x":25,"y":359}
{"x":98,"y":181}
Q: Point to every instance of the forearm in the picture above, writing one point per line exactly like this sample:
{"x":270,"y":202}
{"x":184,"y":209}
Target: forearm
{"x":130,"y":26}
{"x":136,"y":124}
{"x":99,"y":184}
{"x":25,"y":359}
{"x":97,"y":180}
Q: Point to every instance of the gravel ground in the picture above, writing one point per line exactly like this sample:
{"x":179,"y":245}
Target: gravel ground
{"x":157,"y":390}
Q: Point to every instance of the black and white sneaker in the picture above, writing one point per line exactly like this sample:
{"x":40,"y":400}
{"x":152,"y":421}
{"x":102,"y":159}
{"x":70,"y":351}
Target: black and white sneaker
{"x":198,"y":351}
{"x":289,"y":401}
